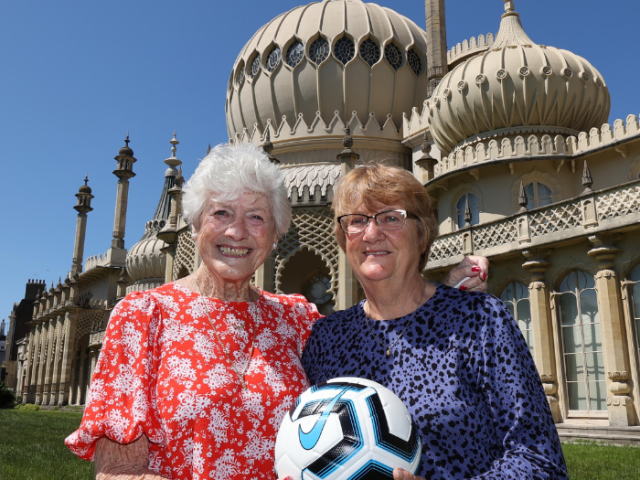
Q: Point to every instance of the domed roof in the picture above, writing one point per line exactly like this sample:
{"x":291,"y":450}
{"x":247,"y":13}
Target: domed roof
{"x":517,"y":83}
{"x":145,"y":260}
{"x":326,"y":60}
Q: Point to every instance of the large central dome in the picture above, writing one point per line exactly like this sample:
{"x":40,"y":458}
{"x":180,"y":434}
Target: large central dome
{"x":324,"y":62}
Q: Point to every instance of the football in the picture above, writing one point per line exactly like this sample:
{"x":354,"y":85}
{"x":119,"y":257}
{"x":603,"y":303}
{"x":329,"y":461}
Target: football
{"x":347,"y":428}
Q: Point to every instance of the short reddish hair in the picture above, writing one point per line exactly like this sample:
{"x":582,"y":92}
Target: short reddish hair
{"x":390,"y":185}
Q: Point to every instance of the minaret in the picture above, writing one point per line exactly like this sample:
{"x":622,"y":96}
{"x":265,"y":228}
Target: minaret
{"x":83,"y":207}
{"x":436,"y":43}
{"x":124,"y":172}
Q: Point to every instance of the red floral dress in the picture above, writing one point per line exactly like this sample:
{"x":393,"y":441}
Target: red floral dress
{"x":162,"y":373}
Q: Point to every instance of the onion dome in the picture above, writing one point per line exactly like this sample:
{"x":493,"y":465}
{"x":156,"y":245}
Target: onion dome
{"x":515,"y":87}
{"x":145,"y":262}
{"x":126,"y":150}
{"x":325,"y":63}
{"x":85,"y":188}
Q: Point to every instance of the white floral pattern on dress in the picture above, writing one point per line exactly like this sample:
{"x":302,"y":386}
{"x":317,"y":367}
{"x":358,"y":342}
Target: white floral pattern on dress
{"x":162,"y":373}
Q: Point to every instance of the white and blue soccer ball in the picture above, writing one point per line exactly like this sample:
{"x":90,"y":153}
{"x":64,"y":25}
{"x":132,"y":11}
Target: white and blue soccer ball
{"x":347,"y":428}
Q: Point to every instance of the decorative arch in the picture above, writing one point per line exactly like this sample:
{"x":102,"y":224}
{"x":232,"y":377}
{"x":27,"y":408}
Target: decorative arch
{"x":311,"y":229}
{"x":539,"y":176}
{"x":458,"y":193}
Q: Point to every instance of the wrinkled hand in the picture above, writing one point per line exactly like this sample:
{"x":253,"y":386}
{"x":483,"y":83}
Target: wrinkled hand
{"x":400,"y":474}
{"x":474,"y":267}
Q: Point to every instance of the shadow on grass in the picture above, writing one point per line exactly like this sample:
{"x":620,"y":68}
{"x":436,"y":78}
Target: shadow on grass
{"x":32,"y":446}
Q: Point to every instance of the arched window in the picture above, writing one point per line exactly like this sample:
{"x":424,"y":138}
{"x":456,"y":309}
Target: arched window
{"x":635,"y":296}
{"x":538,"y":195}
{"x":474,"y":208}
{"x":516,"y":299}
{"x":582,"y":343}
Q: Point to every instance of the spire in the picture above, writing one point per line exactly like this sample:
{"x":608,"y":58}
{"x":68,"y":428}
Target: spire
{"x":523,"y":201}
{"x":511,"y":32}
{"x":467,"y":212}
{"x":83,"y":206}
{"x":124,"y":172}
{"x":173,"y":161}
{"x":267,"y":146}
{"x":587,"y":179}
{"x":436,"y":43}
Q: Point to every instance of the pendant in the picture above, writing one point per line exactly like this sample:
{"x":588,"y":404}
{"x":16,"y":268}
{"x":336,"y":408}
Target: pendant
{"x":389,"y":352}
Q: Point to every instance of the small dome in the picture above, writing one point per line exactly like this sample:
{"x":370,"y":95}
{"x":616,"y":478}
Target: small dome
{"x":85,"y":189}
{"x":145,"y":261}
{"x":517,"y":85}
{"x":126,"y":151}
{"x":327,"y":60}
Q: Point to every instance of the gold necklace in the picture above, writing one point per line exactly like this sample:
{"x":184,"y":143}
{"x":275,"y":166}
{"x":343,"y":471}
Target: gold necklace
{"x":387,"y":347}
{"x":256,"y":321}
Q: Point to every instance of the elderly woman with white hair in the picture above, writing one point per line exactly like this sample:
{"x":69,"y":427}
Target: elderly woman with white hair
{"x":195,"y":376}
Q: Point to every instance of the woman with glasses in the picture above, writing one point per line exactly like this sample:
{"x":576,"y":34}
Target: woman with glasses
{"x":194,"y":377}
{"x":456,"y":359}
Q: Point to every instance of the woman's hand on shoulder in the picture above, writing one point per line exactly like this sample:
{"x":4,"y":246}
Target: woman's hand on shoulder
{"x":400,"y":474}
{"x":475,"y":269}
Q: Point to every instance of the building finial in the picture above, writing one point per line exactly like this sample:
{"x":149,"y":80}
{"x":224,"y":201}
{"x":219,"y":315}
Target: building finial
{"x":509,"y":7}
{"x":174,"y":141}
{"x":86,"y":179}
{"x":126,"y":140}
{"x":267,"y":146}
{"x":467,"y":212}
{"x":587,"y":179}
{"x":173,"y":161}
{"x":523,"y":201}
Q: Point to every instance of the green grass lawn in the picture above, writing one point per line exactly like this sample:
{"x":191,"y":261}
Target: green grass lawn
{"x":32,"y":448}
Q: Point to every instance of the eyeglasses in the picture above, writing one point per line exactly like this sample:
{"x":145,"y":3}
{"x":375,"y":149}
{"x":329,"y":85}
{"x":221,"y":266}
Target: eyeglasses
{"x":388,"y":221}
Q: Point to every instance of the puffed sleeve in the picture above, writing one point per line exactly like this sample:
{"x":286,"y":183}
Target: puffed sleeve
{"x":306,"y":314}
{"x":522,"y":418}
{"x":122,"y":404}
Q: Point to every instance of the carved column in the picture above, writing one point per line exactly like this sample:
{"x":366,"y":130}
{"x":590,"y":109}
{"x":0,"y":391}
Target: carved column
{"x":614,"y":340}
{"x":67,"y":356}
{"x":29,"y":365}
{"x":56,"y":363}
{"x":47,"y":361}
{"x":543,"y":346}
{"x":39,"y":362}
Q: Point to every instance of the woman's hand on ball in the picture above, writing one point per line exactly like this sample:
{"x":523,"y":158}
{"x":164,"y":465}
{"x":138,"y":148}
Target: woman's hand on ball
{"x":400,"y":474}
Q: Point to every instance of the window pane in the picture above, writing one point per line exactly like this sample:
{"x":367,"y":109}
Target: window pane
{"x":507,"y":293}
{"x":524,"y":315}
{"x":592,"y":338}
{"x":635,"y":275}
{"x":572,"y":339}
{"x":544,"y":195}
{"x":568,"y":309}
{"x":569,"y":283}
{"x":575,"y":369}
{"x":577,"y":396}
{"x":636,"y":300}
{"x":595,"y":367}
{"x":509,"y":306}
{"x":598,"y":395}
{"x":589,"y":306}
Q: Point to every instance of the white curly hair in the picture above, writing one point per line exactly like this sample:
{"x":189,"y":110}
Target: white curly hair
{"x":226,"y":173}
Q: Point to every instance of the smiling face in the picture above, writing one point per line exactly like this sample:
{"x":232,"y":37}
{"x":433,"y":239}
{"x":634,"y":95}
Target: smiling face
{"x":378,"y":255}
{"x":234,"y":238}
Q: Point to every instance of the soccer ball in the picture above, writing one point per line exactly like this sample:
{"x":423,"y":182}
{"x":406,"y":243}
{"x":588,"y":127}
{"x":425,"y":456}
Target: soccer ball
{"x":347,"y":428}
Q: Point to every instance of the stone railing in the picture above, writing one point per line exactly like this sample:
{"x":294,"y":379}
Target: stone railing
{"x":469,"y":47}
{"x":538,"y":144}
{"x":588,"y":214}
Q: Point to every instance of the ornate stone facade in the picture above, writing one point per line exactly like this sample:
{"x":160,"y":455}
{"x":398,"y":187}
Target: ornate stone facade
{"x":555,"y":209}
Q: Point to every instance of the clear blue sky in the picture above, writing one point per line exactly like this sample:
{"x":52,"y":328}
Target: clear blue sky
{"x":77,"y":75}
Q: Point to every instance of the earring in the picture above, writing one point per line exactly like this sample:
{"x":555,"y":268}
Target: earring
{"x":274,"y":245}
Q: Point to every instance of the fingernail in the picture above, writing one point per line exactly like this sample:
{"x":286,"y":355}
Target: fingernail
{"x":476,"y":269}
{"x":483,"y":276}
{"x":400,"y":474}
{"x":463,"y":287}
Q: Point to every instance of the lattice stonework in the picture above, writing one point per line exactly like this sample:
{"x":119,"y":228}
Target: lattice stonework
{"x":494,"y":235}
{"x":185,"y":254}
{"x":618,"y":203}
{"x":86,"y":322}
{"x":555,"y":219}
{"x":311,"y":228}
{"x":445,"y":247}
